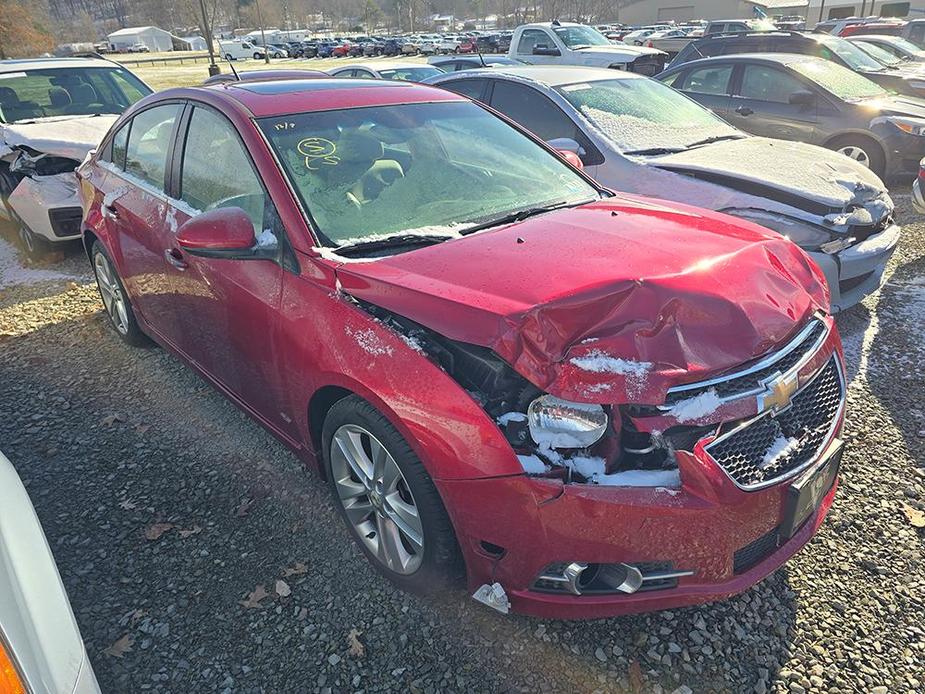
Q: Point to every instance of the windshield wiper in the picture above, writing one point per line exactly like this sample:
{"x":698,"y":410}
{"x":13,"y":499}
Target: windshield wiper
{"x":715,"y":138}
{"x":394,"y":241}
{"x":656,"y":150}
{"x":521,"y":215}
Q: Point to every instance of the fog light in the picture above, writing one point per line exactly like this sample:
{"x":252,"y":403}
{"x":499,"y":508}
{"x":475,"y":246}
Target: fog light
{"x":559,"y":423}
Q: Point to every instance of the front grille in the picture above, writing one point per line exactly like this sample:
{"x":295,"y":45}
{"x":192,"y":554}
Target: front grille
{"x":65,"y":221}
{"x":774,"y":446}
{"x":749,"y":380}
{"x":648,"y":65}
{"x":755,"y":552}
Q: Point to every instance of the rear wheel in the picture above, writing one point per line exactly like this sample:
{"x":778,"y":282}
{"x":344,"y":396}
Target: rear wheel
{"x":115,"y":299}
{"x":863,"y":150}
{"x":387,"y":498}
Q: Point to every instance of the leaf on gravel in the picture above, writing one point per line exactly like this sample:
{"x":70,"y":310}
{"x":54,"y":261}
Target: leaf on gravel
{"x":915,"y":516}
{"x":120,"y":647}
{"x":296,"y":569}
{"x":142,"y":428}
{"x":153,"y":532}
{"x":127,"y":505}
{"x":195,"y":530}
{"x":244,"y":507}
{"x":111,"y":419}
{"x":254,"y":598}
{"x":637,"y":682}
{"x":357,"y":649}
{"x":282,"y":589}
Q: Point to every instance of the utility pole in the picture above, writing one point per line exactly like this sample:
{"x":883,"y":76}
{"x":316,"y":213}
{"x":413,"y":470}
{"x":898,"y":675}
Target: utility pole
{"x":207,"y":30}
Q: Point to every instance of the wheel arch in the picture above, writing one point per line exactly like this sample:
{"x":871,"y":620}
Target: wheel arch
{"x":860,"y":135}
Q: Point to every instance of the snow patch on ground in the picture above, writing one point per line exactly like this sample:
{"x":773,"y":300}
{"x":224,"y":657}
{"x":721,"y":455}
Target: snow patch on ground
{"x":369,"y":342}
{"x":696,"y":408}
{"x":779,"y":448}
{"x":12,"y":272}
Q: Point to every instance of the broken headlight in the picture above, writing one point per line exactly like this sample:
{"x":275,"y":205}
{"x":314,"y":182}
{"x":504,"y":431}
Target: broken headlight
{"x":558,"y":423}
{"x":804,"y":234}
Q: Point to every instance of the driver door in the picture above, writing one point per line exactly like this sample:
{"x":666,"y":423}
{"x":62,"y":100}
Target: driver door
{"x":228,"y":309}
{"x":761,"y":105}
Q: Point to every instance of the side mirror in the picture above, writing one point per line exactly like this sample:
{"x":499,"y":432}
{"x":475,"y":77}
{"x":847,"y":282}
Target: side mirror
{"x":223,"y":233}
{"x":542,"y":49}
{"x":571,"y":158}
{"x":566,"y":144}
{"x":802,"y":98}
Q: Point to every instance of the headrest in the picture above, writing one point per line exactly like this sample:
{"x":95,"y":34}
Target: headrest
{"x":82,"y":93}
{"x":58,"y":97}
{"x":355,"y":147}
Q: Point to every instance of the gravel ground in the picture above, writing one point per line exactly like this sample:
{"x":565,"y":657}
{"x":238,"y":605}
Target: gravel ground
{"x":170,"y":514}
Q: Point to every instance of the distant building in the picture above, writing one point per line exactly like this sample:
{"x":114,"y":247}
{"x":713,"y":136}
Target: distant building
{"x":194,"y":43}
{"x":154,"y":38}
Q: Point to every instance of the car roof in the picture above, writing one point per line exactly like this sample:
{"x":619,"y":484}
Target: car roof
{"x":779,"y":58}
{"x":52,"y":63}
{"x":381,"y":65}
{"x":552,"y":75}
{"x":874,"y":37}
{"x":282,"y":97}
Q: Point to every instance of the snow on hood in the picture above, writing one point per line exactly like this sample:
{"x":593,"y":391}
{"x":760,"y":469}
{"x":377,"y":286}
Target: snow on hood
{"x":622,"y":49}
{"x":650,"y":296}
{"x":70,"y":137}
{"x":805,"y":171}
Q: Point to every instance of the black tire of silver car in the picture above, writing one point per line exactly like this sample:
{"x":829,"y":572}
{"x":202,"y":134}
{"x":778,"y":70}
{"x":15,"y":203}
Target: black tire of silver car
{"x":33,"y":245}
{"x":115,"y":299}
{"x":863,"y":150}
{"x":388,"y":499}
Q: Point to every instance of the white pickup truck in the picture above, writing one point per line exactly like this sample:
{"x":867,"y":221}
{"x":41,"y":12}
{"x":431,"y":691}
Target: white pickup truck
{"x":566,"y":43}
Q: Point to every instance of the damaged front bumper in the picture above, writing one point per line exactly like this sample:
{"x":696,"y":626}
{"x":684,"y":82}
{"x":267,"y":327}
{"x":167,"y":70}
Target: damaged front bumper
{"x":48,"y":206}
{"x":857,"y":271}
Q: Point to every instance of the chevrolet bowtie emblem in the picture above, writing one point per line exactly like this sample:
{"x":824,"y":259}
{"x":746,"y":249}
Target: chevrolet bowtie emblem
{"x":778,"y":390}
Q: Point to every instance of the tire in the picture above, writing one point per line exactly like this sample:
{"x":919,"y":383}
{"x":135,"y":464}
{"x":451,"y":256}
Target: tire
{"x":112,"y":290}
{"x":229,"y":57}
{"x":434,"y":565}
{"x":257,"y":56}
{"x":863,"y":150}
{"x":33,"y":245}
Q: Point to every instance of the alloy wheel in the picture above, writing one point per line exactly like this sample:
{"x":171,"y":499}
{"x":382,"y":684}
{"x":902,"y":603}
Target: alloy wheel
{"x":377,"y":499}
{"x":111,"y":292}
{"x":856,"y":153}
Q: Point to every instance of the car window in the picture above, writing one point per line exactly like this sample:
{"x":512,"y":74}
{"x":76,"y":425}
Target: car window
{"x":917,"y":33}
{"x":217,"y":172}
{"x":119,"y":142}
{"x":532,"y":110}
{"x":148,"y":141}
{"x":766,"y":83}
{"x":531,"y":38}
{"x":713,"y":79}
{"x":469,"y":88}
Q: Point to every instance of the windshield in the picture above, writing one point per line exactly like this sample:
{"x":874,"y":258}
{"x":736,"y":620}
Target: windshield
{"x":850,"y":54}
{"x":83,"y":91}
{"x":642,"y":114}
{"x":904,"y":45}
{"x":437,"y":168}
{"x":875,"y":51}
{"x":581,"y":37}
{"x":410,"y":74}
{"x":838,"y":80}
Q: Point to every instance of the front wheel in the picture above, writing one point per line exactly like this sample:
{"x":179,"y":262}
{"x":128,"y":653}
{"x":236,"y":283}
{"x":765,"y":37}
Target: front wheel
{"x":863,"y":151}
{"x":115,"y":299}
{"x":257,"y":56}
{"x":32,"y":244}
{"x":387,"y":498}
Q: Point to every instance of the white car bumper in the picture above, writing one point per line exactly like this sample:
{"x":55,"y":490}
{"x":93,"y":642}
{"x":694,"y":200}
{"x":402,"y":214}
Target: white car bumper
{"x":857,"y":271}
{"x":49,"y":206}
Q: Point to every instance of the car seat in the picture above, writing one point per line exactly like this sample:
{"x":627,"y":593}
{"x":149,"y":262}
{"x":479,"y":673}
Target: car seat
{"x":13,"y":109}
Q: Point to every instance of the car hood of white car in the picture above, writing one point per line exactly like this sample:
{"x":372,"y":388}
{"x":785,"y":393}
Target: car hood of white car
{"x":63,"y":136}
{"x":791,"y":169}
{"x":621,"y":49}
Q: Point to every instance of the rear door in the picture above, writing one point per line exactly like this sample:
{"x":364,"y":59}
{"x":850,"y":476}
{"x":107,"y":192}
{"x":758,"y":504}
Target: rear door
{"x":134,"y":207}
{"x":228,"y":309}
{"x":761,"y":104}
{"x":709,"y":85}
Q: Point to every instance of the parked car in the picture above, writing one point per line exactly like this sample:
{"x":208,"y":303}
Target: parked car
{"x":41,"y":649}
{"x":566,"y":43}
{"x":275,"y":51}
{"x":914,"y":31}
{"x":636,"y":135}
{"x":455,"y":63}
{"x":809,"y":99}
{"x":240,"y":50}
{"x":410,"y":45}
{"x":873,"y":27}
{"x":671,"y":42}
{"x":385,"y":70}
{"x":326,"y":49}
{"x":896,"y":46}
{"x":341,"y":50}
{"x":467,"y":44}
{"x":448,"y":44}
{"x":52,"y":112}
{"x":138,"y":48}
{"x":918,"y":190}
{"x":309,"y":49}
{"x":904,"y":81}
{"x":471,"y":399}
{"x":737,"y":26}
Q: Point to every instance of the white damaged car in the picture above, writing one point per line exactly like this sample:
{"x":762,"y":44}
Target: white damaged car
{"x":52,"y":113}
{"x":637,"y":135}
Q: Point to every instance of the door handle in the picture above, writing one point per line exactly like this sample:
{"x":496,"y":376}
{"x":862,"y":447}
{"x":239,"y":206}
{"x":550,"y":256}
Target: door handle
{"x":744,"y":111}
{"x":110,"y":211}
{"x":175,"y":258}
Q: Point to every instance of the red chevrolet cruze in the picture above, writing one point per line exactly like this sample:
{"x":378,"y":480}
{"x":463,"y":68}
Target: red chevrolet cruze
{"x":592,"y":404}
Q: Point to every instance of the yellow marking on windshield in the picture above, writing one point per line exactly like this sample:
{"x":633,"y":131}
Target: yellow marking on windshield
{"x":318,"y":150}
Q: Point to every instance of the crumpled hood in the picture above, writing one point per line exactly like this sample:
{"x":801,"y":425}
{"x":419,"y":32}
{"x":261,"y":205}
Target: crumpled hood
{"x":70,"y":137}
{"x":793,"y":169}
{"x":613,"y":302}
